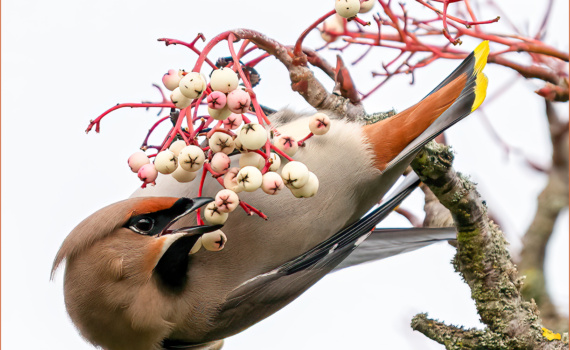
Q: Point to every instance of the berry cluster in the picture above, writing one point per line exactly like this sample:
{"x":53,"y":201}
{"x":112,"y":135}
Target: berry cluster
{"x":208,"y":141}
{"x":346,"y":10}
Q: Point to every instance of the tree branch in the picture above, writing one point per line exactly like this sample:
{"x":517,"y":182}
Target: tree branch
{"x":482,"y":259}
{"x":302,"y":78}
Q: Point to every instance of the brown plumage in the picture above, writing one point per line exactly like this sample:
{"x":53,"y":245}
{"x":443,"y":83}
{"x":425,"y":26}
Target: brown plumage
{"x":128,"y":286}
{"x":390,"y":136}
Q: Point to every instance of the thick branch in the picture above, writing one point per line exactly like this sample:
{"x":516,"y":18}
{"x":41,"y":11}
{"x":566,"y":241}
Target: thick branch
{"x":482,"y":258}
{"x":302,"y":79}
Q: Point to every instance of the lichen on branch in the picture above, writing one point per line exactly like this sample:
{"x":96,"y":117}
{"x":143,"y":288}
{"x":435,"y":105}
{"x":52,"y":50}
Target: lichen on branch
{"x":484,"y":262}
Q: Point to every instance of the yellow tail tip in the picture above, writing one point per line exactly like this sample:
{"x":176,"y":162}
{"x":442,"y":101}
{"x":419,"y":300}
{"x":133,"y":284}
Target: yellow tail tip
{"x":481,"y":53}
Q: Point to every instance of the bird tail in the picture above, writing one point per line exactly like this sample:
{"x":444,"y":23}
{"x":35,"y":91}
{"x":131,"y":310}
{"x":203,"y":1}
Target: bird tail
{"x":401,"y":136}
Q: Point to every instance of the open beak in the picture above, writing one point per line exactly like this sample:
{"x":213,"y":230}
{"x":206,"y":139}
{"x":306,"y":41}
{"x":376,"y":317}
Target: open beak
{"x":170,"y":263}
{"x":186,"y":206}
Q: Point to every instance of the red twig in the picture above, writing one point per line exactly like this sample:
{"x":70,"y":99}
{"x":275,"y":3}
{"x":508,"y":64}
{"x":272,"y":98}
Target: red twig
{"x":97,"y":120}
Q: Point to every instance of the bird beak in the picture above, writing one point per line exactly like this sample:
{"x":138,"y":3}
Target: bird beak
{"x":186,"y":206}
{"x":168,"y":255}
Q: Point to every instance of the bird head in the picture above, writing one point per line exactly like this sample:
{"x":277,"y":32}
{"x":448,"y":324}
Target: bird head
{"x":125,"y":267}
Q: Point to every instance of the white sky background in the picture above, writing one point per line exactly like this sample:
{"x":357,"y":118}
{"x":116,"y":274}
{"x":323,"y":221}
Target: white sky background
{"x":65,"y":62}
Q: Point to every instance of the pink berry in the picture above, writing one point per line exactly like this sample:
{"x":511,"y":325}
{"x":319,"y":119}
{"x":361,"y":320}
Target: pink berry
{"x":233,"y":121}
{"x":238,"y":101}
{"x":319,"y":124}
{"x":220,"y":163}
{"x":171,"y":79}
{"x":230,"y":180}
{"x":137,"y":160}
{"x":272,"y":183}
{"x":227,"y":201}
{"x":216,"y":100}
{"x":287,"y":144}
{"x":147,"y":173}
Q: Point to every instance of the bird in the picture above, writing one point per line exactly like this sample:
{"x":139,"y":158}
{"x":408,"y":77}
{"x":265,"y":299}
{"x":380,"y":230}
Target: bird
{"x":130,"y":281}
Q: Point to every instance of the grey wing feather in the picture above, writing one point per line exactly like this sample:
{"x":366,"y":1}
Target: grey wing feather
{"x":286,"y":282}
{"x":386,"y":242}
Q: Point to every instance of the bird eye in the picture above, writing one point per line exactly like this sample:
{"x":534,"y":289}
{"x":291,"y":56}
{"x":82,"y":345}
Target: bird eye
{"x":143,"y":226}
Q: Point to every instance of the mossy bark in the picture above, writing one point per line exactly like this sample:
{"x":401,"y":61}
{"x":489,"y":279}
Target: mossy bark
{"x":484,"y":262}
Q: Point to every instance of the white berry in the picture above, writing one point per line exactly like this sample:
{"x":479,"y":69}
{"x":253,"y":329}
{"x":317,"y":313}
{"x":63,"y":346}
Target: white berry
{"x":333,"y":24}
{"x":179,"y":100}
{"x":252,"y":159}
{"x":249,"y":178}
{"x":239,"y":145}
{"x":287,"y":144}
{"x":347,"y":8}
{"x":165,"y":162}
{"x":319,"y":124}
{"x":184,"y":176}
{"x":221,"y":142}
{"x":191,"y":158}
{"x":366,"y":6}
{"x":295,"y":174}
{"x":219,"y":114}
{"x":224,"y":80}
{"x":227,"y":201}
{"x":275,"y":161}
{"x":177,"y":146}
{"x":196,"y":247}
{"x":192,"y":85}
{"x":213,"y":216}
{"x":272,"y":183}
{"x":137,"y":160}
{"x":310,"y":188}
{"x":253,"y":136}
{"x":214,"y":241}
{"x":220,"y":163}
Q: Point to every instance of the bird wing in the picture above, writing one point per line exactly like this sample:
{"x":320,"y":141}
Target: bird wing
{"x":264,"y":294}
{"x":386,"y":242}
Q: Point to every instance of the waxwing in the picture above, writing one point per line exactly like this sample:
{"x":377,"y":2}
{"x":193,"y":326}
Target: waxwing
{"x":119,"y":293}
